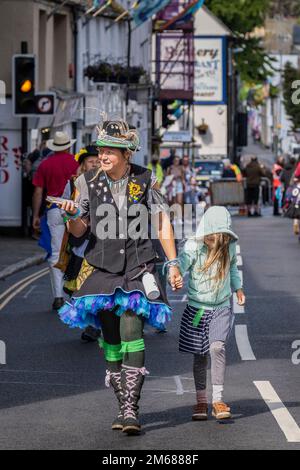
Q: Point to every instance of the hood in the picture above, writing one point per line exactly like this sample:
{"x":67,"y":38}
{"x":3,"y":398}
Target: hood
{"x":216,"y":220}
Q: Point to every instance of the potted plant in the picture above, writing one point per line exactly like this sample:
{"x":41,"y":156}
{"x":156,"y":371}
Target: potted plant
{"x":203,"y":128}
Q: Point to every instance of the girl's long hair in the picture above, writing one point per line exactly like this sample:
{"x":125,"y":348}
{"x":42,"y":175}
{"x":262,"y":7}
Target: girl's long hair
{"x":219,"y":259}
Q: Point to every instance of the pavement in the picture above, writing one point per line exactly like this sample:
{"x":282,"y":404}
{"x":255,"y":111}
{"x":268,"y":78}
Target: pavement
{"x":52,"y":392}
{"x":18,"y":253}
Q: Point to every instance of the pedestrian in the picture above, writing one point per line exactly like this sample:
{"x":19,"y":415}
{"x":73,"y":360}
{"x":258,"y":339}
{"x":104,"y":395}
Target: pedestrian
{"x":210,"y":258}
{"x":124,"y":289}
{"x":155,"y":167}
{"x":88,"y":160}
{"x":253,"y":173}
{"x":178,"y":183}
{"x":287,"y":172}
{"x":231,"y":170}
{"x":50,"y":180}
{"x":188,"y":171}
{"x":167,"y":162}
{"x":297,"y":172}
{"x":277,"y":185}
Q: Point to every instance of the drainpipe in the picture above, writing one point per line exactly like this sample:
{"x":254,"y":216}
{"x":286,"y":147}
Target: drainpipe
{"x":128,"y":61}
{"x":75,"y":41}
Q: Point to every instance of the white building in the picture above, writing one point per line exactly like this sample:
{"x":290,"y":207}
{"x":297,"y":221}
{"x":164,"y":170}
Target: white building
{"x":275,"y":122}
{"x":101,"y":40}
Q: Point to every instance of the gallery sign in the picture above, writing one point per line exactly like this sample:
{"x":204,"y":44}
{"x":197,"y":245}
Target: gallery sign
{"x":210,"y":82}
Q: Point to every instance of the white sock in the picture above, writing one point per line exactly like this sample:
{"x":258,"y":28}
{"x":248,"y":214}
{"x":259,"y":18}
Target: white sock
{"x":217,"y":393}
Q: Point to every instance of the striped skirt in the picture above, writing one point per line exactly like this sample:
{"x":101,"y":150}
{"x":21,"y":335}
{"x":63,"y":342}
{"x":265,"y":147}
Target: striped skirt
{"x":215,"y":325}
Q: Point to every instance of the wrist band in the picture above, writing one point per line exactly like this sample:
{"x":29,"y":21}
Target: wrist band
{"x":68,"y":217}
{"x":173,"y":262}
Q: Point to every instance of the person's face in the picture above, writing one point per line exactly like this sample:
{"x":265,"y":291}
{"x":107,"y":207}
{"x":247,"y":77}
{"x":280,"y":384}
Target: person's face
{"x":91,"y":163}
{"x":177,"y":161}
{"x":186,"y":161}
{"x":110,"y":158}
{"x":210,"y":241}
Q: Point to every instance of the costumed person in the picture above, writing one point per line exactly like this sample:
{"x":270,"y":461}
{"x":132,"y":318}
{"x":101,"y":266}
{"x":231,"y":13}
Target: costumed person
{"x":76,"y":269}
{"x":124,"y":289}
{"x":210,"y":258}
{"x":50,"y":179}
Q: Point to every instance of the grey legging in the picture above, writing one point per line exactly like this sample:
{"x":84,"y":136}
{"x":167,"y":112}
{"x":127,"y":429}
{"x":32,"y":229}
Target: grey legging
{"x":218,"y":363}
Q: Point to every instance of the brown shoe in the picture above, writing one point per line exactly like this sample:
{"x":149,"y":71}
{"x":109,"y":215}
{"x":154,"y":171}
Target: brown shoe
{"x":221,"y":411}
{"x":200,"y":412}
{"x":296,"y":229}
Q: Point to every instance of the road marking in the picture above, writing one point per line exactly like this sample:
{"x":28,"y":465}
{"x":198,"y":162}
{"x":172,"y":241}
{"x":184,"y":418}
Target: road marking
{"x":238,"y":249}
{"x":179,"y":387}
{"x":283,"y":417}
{"x":184,"y":298}
{"x":239,"y":260}
{"x":243,"y":343}
{"x":29,"y":292}
{"x":17,"y":284}
{"x":22,"y":287}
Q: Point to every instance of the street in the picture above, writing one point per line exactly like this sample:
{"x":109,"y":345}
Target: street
{"x":52,"y":392}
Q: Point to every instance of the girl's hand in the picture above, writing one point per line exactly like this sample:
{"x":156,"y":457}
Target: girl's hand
{"x":241,"y":298}
{"x":69,"y":207}
{"x":175,"y":278}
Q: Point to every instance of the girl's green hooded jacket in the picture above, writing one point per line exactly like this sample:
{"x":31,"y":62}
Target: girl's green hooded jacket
{"x":202,"y":291}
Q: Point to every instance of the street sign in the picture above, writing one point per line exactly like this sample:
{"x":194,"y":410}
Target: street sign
{"x":180,"y":136}
{"x":45,"y":103}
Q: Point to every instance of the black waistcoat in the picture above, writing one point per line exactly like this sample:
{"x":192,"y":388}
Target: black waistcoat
{"x":122,"y":253}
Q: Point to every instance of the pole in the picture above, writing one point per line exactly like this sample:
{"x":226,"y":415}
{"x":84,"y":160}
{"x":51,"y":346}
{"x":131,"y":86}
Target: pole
{"x":128,"y":61}
{"x":24,"y":146}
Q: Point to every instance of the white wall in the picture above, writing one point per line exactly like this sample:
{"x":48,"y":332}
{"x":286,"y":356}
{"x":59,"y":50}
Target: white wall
{"x":215,"y":141}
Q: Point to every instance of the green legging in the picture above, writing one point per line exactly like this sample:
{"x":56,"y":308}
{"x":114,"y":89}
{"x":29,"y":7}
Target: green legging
{"x":122,"y":339}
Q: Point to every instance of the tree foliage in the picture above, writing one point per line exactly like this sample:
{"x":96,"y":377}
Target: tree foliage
{"x":291,"y":75}
{"x":242,"y":17}
{"x":286,"y":8}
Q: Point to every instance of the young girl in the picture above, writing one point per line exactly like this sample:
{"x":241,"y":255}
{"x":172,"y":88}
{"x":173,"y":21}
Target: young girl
{"x":210,"y":259}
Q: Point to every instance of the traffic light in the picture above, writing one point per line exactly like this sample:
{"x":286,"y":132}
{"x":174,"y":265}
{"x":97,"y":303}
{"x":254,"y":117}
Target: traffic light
{"x":171,"y":111}
{"x":24,"y":100}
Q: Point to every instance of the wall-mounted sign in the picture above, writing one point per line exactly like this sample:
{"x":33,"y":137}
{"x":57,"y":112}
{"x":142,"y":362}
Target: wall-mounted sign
{"x":180,"y":136}
{"x":210,"y":70}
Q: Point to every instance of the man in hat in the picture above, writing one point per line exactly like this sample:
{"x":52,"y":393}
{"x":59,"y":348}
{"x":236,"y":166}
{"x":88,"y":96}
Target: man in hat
{"x":50,"y":180}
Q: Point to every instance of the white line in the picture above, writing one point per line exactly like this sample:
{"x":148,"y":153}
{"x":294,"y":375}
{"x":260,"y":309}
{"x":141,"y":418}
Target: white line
{"x":29,"y":292}
{"x":238,"y":249}
{"x":17,"y":284}
{"x":184,"y":298}
{"x":239,"y":260}
{"x":179,"y":386}
{"x":243,"y":343}
{"x":237,"y":309}
{"x":22,"y":287}
{"x":283,"y":417}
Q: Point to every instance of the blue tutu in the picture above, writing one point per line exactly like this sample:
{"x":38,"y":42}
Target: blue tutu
{"x":81,"y":312}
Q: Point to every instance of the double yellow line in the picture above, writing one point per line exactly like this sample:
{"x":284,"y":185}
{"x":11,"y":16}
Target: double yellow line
{"x":16,"y":288}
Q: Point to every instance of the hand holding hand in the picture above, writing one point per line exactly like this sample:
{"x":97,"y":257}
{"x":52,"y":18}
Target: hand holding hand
{"x":175,"y":278}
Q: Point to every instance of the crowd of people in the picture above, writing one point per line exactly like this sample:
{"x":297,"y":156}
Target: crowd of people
{"x":113,"y":281}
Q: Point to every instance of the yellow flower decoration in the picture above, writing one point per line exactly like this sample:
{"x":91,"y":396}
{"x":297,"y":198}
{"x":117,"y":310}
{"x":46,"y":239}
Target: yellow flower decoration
{"x":134,"y":191}
{"x":78,"y":155}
